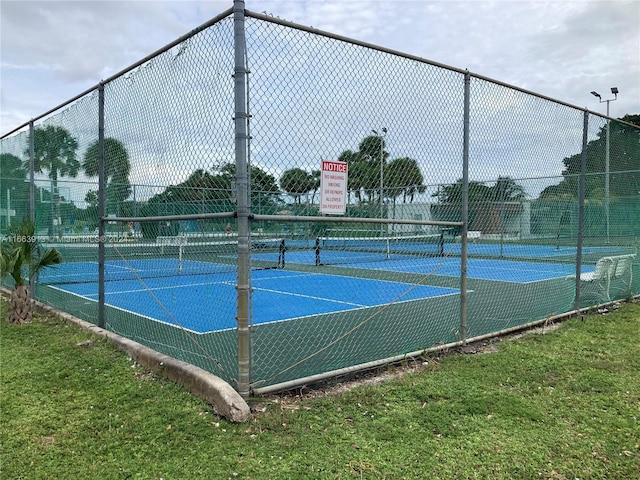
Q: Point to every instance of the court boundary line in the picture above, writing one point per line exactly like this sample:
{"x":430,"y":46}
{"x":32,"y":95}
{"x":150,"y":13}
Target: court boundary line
{"x":455,"y":292}
{"x":369,"y":269}
{"x":147,"y":317}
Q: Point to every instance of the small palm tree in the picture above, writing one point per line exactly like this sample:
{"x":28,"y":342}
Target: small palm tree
{"x":21,"y":254}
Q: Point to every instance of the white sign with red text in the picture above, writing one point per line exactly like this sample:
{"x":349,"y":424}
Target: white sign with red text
{"x":333,"y":187}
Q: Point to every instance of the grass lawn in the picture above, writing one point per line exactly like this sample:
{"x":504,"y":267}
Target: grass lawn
{"x":562,"y":405}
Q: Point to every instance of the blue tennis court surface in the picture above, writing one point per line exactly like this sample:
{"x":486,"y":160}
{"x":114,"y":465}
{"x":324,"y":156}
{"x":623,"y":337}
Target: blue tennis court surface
{"x":484,"y":269}
{"x":200,"y":303}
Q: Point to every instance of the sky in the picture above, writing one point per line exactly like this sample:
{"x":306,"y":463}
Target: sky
{"x":53,"y":50}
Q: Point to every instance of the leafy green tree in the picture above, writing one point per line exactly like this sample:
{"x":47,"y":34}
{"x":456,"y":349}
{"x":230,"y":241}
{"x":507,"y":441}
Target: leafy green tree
{"x":478,"y":192}
{"x":201,"y":186}
{"x":403,"y":177}
{"x":296,"y":182}
{"x":364,"y":168}
{"x":218,"y":186}
{"x":12,"y":169}
{"x":486,"y":203}
{"x":315,"y":183}
{"x":264,"y":187}
{"x":507,"y":190}
{"x":624,"y":163}
{"x":13,"y":188}
{"x":91,"y":198}
{"x":116,"y":170}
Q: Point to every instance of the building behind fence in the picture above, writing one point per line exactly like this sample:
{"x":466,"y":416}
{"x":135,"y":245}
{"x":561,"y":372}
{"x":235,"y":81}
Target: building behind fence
{"x":207,"y":154}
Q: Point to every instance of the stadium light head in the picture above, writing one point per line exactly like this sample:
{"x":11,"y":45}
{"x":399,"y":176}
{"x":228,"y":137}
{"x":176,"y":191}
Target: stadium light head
{"x":596,"y":94}
{"x":614,"y":90}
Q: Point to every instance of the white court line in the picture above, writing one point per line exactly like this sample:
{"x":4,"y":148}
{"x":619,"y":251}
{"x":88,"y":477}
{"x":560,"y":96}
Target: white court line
{"x":138,"y":314}
{"x":311,"y":297}
{"x":138,"y":290}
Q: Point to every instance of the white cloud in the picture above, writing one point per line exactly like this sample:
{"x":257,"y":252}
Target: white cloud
{"x":53,"y":50}
{"x":562,"y":49}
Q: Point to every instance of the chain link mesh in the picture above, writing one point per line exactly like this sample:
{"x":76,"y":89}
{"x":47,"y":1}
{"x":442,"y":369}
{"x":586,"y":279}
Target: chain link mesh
{"x":329,"y":293}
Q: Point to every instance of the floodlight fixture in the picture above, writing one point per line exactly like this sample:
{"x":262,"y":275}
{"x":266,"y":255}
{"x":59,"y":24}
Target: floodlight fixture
{"x":614,"y":91}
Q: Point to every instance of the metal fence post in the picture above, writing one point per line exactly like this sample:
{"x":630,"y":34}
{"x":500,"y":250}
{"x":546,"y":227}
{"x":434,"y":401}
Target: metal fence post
{"x":581,"y":193}
{"x":32,"y":181}
{"x":465,"y":211}
{"x":101,"y":206}
{"x":243,"y":202}
{"x":32,"y":194}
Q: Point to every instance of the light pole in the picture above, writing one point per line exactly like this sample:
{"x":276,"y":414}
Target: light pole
{"x":381,"y":136}
{"x":614,"y":90}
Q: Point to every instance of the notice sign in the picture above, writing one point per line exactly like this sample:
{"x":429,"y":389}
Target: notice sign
{"x":333,"y":188}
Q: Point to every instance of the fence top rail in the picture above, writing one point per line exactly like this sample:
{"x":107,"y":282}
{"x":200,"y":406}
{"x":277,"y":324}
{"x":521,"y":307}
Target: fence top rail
{"x":169,"y":218}
{"x":285,"y":218}
{"x":302,"y":218}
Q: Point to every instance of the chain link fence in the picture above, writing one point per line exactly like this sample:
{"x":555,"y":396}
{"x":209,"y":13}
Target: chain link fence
{"x":471,"y":207}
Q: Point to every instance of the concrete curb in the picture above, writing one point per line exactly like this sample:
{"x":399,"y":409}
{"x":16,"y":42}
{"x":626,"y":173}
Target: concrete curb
{"x":224,"y":399}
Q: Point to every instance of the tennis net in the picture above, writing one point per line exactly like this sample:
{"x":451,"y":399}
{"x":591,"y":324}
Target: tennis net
{"x":343,"y":250}
{"x":164,"y":258}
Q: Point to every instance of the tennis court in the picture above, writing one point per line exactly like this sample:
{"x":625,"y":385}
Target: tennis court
{"x":199,"y":302}
{"x":182,"y":292}
{"x":430,"y":255}
{"x":355,"y":249}
{"x":484,"y":269}
{"x":399,"y":294}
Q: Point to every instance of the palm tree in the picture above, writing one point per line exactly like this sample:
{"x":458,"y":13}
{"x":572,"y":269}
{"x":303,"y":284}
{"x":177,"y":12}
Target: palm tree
{"x":316,"y":175}
{"x":22,"y":253}
{"x":372,"y":151}
{"x":507,"y":190}
{"x":55,"y":151}
{"x":116,"y":169}
{"x":357,"y":172}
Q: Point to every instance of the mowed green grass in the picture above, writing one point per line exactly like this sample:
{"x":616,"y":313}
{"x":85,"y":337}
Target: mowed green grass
{"x":562,"y":405}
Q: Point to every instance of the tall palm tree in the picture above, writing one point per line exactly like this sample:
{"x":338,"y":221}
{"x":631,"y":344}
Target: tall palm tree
{"x":116,"y":169}
{"x":372,"y":151}
{"x":55,"y":151}
{"x":21,"y":253}
{"x":357,"y":172}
